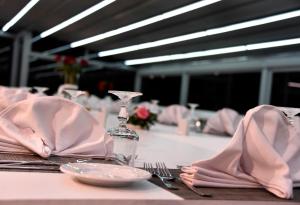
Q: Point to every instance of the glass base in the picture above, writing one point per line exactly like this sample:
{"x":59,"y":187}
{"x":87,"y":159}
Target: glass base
{"x":123,"y":133}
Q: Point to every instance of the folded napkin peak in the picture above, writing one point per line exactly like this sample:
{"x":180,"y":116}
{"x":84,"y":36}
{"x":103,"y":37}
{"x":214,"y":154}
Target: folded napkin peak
{"x":59,"y":127}
{"x":223,"y":122}
{"x":264,"y":152}
{"x":9,"y":96}
{"x":172,"y":114}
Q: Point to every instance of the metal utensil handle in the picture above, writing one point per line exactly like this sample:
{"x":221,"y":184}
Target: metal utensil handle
{"x":166,"y":183}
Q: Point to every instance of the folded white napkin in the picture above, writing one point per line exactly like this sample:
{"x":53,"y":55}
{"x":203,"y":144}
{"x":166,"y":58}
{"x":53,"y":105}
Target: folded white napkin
{"x":223,"y":122}
{"x":63,"y":87}
{"x":52,"y":126}
{"x":8,"y":96}
{"x":264,"y":152}
{"x":172,"y":114}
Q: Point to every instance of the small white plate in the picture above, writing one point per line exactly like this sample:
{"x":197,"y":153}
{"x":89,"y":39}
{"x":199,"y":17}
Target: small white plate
{"x":104,"y":174}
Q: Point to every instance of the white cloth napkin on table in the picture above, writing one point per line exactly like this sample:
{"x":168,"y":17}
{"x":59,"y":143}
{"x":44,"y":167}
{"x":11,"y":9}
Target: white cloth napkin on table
{"x":52,"y":126}
{"x":8,"y":96}
{"x":172,"y":114}
{"x":223,"y":122}
{"x":264,"y":152}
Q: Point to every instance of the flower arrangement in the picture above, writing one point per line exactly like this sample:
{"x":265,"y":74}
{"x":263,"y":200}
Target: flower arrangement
{"x":70,"y":67}
{"x":142,"y":117}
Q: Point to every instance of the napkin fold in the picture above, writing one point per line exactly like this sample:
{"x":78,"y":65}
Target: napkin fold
{"x":223,"y":122}
{"x":264,"y":152}
{"x":8,"y":96}
{"x":52,"y":126}
{"x":172,"y":114}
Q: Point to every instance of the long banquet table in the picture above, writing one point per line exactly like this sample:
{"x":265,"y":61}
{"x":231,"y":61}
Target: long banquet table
{"x":161,"y":143}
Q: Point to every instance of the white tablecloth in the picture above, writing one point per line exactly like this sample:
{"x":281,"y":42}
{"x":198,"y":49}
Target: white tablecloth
{"x":164,"y":145}
{"x":50,"y":186}
{"x":161,"y":143}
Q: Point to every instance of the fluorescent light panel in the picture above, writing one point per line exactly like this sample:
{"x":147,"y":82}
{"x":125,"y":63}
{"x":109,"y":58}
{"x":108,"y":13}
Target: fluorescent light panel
{"x":76,"y":18}
{"x":145,"y":22}
{"x":19,"y":15}
{"x":201,"y":34}
{"x":218,"y":51}
{"x":294,"y":84}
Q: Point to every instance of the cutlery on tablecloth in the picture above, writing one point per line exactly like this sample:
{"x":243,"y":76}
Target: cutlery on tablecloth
{"x":167,"y":172}
{"x":198,"y":192}
{"x":155,"y":172}
{"x":26,"y":167}
{"x":31,"y":162}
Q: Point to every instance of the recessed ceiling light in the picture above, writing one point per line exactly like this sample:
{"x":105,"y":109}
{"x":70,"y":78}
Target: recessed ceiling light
{"x":294,"y":84}
{"x":19,"y":15}
{"x":211,"y":52}
{"x":76,"y":18}
{"x":210,"y":32}
{"x":145,"y":22}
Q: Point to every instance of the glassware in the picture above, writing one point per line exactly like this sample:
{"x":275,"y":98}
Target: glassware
{"x":290,"y":113}
{"x":194,"y":122}
{"x":154,"y":106}
{"x":73,"y":94}
{"x":40,"y":90}
{"x":125,"y":140}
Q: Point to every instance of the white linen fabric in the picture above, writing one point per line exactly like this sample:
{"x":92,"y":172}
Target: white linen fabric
{"x":172,"y":114}
{"x":223,"y":122}
{"x":52,"y":126}
{"x":8,"y":96}
{"x":264,"y":152}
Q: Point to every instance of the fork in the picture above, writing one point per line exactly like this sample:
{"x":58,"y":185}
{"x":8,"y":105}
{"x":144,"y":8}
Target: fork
{"x":164,"y":171}
{"x":163,"y":168}
{"x":155,"y":172}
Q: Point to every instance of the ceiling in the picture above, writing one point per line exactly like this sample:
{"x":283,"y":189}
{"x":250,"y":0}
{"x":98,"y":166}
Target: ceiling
{"x":48,"y":13}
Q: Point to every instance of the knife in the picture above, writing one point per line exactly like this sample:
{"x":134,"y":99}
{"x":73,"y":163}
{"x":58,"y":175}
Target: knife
{"x":26,"y":167}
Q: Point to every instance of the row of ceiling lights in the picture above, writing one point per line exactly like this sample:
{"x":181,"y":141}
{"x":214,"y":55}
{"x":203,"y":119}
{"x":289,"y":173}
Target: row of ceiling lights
{"x":166,"y":41}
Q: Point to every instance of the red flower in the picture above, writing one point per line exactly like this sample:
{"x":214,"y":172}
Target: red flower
{"x":69,"y":60}
{"x":58,"y":58}
{"x":142,"y":112}
{"x":101,"y":86}
{"x":83,"y":63}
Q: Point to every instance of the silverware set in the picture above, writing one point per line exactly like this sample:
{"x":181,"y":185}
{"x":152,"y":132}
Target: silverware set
{"x":29,"y":165}
{"x":159,"y":170}
{"x":163,"y":173}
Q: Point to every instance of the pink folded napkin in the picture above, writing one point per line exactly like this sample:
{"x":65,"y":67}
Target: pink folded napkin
{"x":264,"y":152}
{"x":52,"y":126}
{"x":224,"y":122}
{"x":8,"y":96}
{"x":172,"y":114}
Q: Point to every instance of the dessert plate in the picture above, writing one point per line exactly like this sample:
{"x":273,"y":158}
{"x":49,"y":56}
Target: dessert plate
{"x":104,"y":174}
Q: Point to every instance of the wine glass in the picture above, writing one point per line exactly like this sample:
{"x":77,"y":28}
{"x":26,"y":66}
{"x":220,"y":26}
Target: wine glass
{"x":193,"y":120}
{"x":154,"y":106}
{"x":73,"y":94}
{"x":40,"y":90}
{"x":125,"y":140}
{"x":290,"y":113}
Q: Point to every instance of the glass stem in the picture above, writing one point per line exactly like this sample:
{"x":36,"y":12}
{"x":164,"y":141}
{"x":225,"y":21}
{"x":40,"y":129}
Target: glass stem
{"x":123,"y":117}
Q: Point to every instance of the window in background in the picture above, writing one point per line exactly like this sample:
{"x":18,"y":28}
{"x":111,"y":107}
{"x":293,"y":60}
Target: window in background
{"x":165,"y":89}
{"x":213,"y":92}
{"x":99,"y":82}
{"x":5,"y":60}
{"x":284,"y":94}
{"x":95,"y":82}
{"x":51,"y":80}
